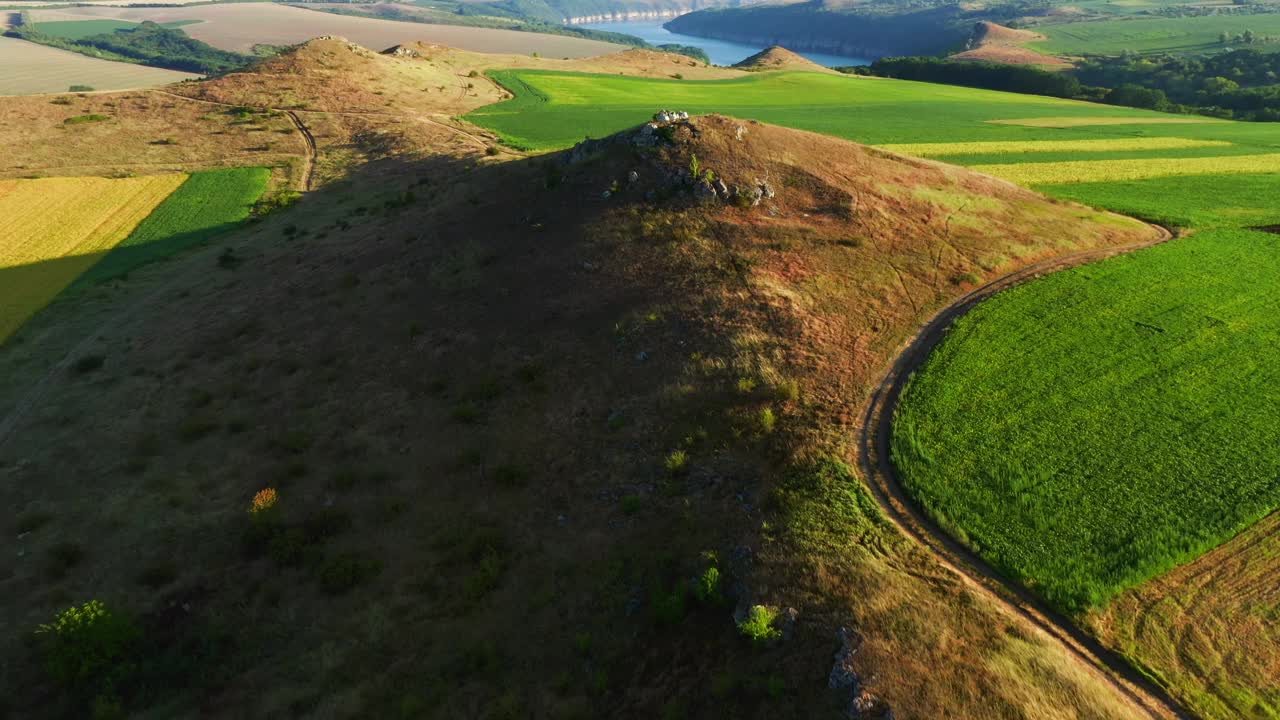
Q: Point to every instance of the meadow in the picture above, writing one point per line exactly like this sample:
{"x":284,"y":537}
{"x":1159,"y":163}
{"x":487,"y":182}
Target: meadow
{"x":207,"y":204}
{"x":1153,"y":35}
{"x":56,"y":228}
{"x":72,"y":232}
{"x":49,"y":70}
{"x":1090,"y":432}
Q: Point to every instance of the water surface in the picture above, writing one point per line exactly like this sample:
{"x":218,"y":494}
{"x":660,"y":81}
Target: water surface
{"x":721,"y":52}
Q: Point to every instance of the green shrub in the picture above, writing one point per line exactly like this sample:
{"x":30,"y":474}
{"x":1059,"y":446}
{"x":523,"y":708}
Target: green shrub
{"x":758,"y":625}
{"x":708,"y":588}
{"x":669,"y":608}
{"x":79,"y":119}
{"x":87,"y":364}
{"x":767,"y":420}
{"x":89,"y":646}
{"x":631,"y":504}
{"x":63,"y":556}
{"x":80,"y":88}
{"x":677,"y":462}
{"x":346,"y":571}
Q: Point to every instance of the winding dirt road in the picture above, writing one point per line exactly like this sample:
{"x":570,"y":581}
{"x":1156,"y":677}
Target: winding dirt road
{"x":880,"y":475}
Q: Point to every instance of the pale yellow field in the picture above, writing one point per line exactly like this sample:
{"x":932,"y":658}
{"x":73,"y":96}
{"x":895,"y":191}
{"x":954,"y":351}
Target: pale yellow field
{"x":1062,"y":122}
{"x":56,"y":228}
{"x":1109,"y":170}
{"x":1023,"y":146}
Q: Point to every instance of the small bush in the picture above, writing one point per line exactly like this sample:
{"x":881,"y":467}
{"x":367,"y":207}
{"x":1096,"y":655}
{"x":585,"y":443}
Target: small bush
{"x":677,"y":462}
{"x":746,"y":386}
{"x":344,"y":572}
{"x":669,"y":608}
{"x":87,"y":364}
{"x":80,"y":88}
{"x":758,"y":625}
{"x":32,"y":521}
{"x":88,"y":646}
{"x":767,"y":420}
{"x":965,"y":279}
{"x":80,"y":119}
{"x":510,"y":475}
{"x":631,"y":504}
{"x":63,"y":556}
{"x":157,"y":574}
{"x":708,"y":588}
{"x":787,"y":391}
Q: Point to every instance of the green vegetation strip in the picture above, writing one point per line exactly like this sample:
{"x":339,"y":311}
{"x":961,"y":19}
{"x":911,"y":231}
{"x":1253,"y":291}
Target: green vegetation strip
{"x":1096,"y":428}
{"x":208,"y":203}
{"x":1153,"y":35}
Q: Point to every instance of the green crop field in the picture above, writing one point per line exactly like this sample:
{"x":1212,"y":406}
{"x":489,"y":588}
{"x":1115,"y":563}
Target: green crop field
{"x":208,"y":203}
{"x":1100,"y":426}
{"x":80,"y":29}
{"x":1153,"y":35}
{"x":1089,"y":431}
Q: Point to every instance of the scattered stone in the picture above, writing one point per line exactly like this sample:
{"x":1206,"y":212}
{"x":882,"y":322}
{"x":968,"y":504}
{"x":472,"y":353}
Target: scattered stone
{"x":842,"y":673}
{"x":642,"y":356}
{"x":606,"y":194}
{"x":787,"y":622}
{"x":739,"y":133}
{"x":633,"y":176}
{"x":669,"y":116}
{"x":722,"y":190}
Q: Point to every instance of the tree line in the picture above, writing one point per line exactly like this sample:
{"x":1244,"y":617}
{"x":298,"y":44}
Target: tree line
{"x":1242,"y":84}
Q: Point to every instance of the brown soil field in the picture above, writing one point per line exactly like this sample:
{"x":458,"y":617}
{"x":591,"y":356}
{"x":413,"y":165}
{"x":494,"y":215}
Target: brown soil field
{"x":997,"y":43}
{"x":30,"y":68}
{"x":240,"y":26}
{"x":1212,"y":625}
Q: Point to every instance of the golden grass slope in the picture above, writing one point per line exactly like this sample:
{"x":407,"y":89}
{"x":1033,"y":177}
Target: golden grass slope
{"x":1030,"y":146}
{"x":56,"y":228}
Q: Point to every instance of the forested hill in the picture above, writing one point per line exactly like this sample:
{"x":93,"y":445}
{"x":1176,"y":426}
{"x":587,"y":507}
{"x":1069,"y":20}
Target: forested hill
{"x":819,"y":27}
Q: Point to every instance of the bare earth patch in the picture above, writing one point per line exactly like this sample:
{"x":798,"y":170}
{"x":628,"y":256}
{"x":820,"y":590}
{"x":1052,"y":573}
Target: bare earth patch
{"x":997,"y":43}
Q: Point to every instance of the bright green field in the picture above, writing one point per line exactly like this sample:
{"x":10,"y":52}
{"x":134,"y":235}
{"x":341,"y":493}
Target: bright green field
{"x":79,"y":29}
{"x":1152,"y":35}
{"x":554,"y":110}
{"x":208,"y":203}
{"x":1088,"y":431}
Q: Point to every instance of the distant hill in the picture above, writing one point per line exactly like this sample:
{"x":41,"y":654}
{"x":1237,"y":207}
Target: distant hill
{"x":844,"y":30}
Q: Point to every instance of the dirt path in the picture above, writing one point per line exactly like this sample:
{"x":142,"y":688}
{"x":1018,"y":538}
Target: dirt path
{"x":309,"y":163}
{"x":873,"y":452}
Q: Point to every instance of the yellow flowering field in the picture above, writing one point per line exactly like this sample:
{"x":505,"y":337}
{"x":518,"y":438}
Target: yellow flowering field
{"x":1078,"y":171}
{"x":56,"y":228}
{"x":1087,"y":120}
{"x":1031,"y":146}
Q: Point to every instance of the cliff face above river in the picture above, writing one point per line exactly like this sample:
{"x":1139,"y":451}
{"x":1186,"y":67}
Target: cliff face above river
{"x":811,"y":26}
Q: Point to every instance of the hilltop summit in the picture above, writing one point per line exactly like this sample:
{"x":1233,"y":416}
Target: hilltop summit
{"x":777,"y":57}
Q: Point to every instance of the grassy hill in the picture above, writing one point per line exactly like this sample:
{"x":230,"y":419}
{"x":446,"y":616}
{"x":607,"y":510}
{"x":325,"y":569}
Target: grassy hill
{"x":1015,"y":435}
{"x":514,"y":412}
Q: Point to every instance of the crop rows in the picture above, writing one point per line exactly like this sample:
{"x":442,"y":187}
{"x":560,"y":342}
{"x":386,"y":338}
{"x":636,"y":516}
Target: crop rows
{"x":206,"y":204}
{"x":56,"y":228}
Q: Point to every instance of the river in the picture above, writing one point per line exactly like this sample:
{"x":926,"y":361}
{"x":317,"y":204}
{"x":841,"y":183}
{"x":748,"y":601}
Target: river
{"x":721,"y":52}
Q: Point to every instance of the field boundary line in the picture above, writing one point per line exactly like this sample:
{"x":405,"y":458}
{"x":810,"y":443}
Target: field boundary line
{"x":881,"y":478}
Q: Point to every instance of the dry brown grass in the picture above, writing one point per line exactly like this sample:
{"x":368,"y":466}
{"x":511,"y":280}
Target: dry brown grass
{"x":780,"y":58}
{"x":147,"y":132}
{"x":484,"y":378}
{"x":997,"y":43}
{"x":1210,"y":629}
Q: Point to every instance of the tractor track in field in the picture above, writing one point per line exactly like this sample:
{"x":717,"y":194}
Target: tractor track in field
{"x":881,"y":477}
